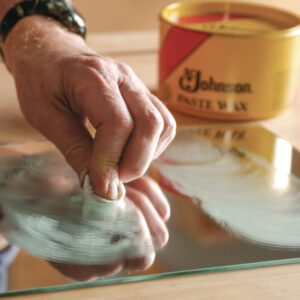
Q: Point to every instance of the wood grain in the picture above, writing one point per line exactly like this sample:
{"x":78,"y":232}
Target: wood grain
{"x":271,"y":283}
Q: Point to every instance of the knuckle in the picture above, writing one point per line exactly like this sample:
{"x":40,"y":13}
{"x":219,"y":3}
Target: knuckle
{"x":105,"y":66}
{"x":123,"y":122}
{"x":90,"y":60}
{"x":154,"y":123}
{"x":170,"y":129}
{"x":95,"y":62}
{"x":125,"y":68}
{"x":91,"y":80}
{"x":92,"y":68}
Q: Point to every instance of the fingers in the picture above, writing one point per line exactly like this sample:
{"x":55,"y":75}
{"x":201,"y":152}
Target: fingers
{"x":132,"y":126}
{"x":157,"y":227}
{"x":152,"y":190}
{"x":154,"y":127}
{"x":141,"y":147}
{"x":107,"y":112}
{"x":169,"y":131}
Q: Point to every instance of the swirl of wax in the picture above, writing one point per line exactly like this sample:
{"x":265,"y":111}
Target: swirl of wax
{"x":49,"y":216}
{"x":237,"y":190}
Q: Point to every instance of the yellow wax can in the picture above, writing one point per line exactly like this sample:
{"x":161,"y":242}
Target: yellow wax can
{"x":228,"y":60}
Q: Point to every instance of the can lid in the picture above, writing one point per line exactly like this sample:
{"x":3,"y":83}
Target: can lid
{"x":232,"y":18}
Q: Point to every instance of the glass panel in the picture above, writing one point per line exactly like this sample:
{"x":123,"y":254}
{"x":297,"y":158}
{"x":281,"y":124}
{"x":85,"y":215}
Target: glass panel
{"x":234,"y":196}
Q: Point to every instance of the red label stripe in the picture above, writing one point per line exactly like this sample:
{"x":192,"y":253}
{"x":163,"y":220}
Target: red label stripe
{"x":181,"y":42}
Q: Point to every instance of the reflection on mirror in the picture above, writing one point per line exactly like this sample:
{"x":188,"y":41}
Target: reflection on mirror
{"x":244,"y":184}
{"x":46,"y":213}
{"x":234,"y":197}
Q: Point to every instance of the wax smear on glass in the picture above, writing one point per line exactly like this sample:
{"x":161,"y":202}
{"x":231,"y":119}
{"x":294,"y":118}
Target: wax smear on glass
{"x":241,"y":190}
{"x":48,"y":214}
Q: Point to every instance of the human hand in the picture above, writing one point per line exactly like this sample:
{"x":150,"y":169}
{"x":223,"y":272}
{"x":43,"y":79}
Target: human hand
{"x":61,"y":83}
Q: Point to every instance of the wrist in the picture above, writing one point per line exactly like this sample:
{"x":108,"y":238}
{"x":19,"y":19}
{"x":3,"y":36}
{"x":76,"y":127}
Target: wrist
{"x":36,"y":37}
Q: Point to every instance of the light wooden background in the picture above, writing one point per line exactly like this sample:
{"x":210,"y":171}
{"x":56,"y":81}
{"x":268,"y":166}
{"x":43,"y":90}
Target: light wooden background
{"x":124,"y":15}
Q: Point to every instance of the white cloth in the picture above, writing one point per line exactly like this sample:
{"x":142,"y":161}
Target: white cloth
{"x":96,"y":207}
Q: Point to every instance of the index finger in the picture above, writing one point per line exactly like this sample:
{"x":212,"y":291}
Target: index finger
{"x":108,"y":113}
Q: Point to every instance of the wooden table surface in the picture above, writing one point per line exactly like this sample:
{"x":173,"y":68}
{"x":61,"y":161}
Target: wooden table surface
{"x":139,"y":50}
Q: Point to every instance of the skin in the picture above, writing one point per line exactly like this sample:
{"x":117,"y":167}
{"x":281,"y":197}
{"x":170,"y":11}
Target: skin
{"x":61,"y":83}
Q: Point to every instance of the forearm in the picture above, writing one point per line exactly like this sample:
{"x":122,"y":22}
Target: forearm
{"x":6,"y":5}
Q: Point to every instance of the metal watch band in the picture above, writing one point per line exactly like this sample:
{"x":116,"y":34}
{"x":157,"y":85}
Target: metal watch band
{"x":60,"y":10}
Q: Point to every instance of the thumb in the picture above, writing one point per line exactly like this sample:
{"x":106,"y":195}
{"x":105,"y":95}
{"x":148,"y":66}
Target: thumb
{"x":71,"y":137}
{"x":104,"y":165}
{"x":109,"y":115}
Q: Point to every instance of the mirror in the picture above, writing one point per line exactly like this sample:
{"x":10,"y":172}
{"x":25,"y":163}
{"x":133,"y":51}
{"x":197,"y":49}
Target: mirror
{"x":234,"y":193}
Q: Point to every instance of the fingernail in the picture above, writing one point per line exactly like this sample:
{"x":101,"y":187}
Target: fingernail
{"x":113,"y":189}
